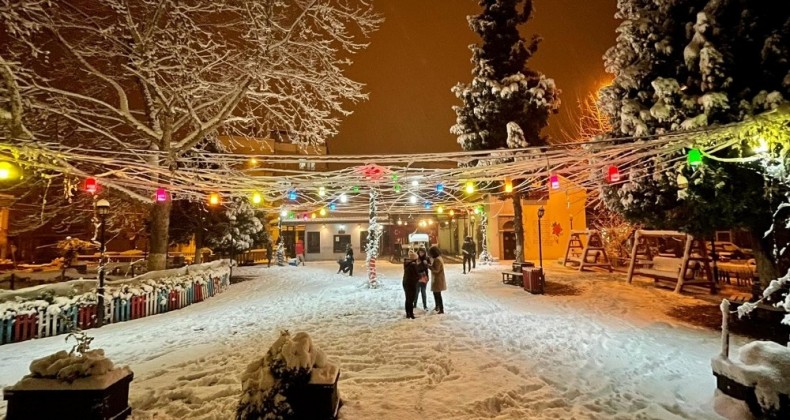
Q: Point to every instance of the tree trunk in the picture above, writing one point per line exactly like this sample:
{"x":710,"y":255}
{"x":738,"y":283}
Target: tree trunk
{"x":518,"y":226}
{"x":767,"y":269}
{"x":160,"y":222}
{"x":198,"y":259}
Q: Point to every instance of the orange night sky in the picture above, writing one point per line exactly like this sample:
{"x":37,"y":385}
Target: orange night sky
{"x":421,"y":51}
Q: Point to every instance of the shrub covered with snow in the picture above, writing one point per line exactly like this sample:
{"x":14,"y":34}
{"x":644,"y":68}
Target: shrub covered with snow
{"x":291,"y":362}
{"x":80,"y":368}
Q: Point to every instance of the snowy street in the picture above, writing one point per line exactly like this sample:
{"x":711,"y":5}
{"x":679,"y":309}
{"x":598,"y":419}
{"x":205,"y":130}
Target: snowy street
{"x":590,"y":348}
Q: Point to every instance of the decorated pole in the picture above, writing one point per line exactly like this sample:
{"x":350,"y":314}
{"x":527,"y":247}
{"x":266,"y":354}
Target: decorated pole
{"x":280,"y":243}
{"x":374,"y":233}
{"x":485,"y":257}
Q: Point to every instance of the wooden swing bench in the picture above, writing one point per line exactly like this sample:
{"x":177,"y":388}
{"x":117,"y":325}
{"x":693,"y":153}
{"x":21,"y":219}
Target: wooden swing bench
{"x":591,"y":254}
{"x":683,"y":271}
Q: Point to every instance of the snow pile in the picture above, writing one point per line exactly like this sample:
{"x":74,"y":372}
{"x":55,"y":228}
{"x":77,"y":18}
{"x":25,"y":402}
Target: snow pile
{"x":289,"y":363}
{"x":64,"y":370}
{"x":764,"y":365}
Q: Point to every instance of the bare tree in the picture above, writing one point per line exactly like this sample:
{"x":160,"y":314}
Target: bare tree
{"x":151,"y":79}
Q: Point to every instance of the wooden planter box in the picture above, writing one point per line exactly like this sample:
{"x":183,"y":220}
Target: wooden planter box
{"x":110,"y":403}
{"x":315,"y":401}
{"x":746,"y":393}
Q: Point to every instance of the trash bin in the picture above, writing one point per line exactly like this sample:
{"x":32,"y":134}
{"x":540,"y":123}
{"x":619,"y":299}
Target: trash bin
{"x":533,"y":280}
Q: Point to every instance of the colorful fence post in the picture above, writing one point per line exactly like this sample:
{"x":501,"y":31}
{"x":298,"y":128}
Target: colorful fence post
{"x":25,"y":327}
{"x":7,"y":330}
{"x":87,"y":316}
{"x":172,"y":301}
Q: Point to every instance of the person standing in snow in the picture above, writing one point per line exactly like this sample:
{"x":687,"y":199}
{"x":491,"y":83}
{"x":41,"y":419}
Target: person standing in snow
{"x":438,"y":283}
{"x":411,"y":277}
{"x":423,"y":266}
{"x":468,"y":251}
{"x":269,"y":252}
{"x":300,"y":252}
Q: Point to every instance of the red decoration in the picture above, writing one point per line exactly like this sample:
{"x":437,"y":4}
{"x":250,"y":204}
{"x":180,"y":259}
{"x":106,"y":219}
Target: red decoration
{"x":161,"y":195}
{"x":373,"y":172}
{"x":613,"y":174}
{"x":556,"y":229}
{"x":91,"y":186}
{"x":555,"y":182}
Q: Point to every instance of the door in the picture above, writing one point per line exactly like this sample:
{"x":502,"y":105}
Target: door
{"x":508,"y":245}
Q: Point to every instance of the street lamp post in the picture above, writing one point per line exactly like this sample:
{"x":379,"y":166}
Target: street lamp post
{"x":541,"y":212}
{"x":102,"y":209}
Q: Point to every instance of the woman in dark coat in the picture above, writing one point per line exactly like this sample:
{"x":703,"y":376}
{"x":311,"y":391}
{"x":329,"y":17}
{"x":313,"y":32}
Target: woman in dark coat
{"x":411,"y":276}
{"x":423,"y":265}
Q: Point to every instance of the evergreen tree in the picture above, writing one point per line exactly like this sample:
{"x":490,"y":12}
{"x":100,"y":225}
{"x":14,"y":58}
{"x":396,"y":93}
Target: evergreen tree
{"x":684,"y":65}
{"x":238,"y":229}
{"x":504,"y":90}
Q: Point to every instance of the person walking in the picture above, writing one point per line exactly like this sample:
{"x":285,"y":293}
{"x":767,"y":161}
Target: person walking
{"x":468,"y":251}
{"x":349,"y":260}
{"x":299,"y":252}
{"x":423,"y":266}
{"x":269,"y":252}
{"x":438,"y":282}
{"x":411,"y":277}
{"x":474,"y":252}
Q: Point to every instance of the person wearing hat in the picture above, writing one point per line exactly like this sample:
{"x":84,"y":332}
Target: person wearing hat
{"x":411,"y":276}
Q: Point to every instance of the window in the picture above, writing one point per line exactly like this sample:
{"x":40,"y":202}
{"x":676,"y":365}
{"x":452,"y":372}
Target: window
{"x":305,"y":165}
{"x":340,"y":242}
{"x":363,"y":240}
{"x":313,"y":242}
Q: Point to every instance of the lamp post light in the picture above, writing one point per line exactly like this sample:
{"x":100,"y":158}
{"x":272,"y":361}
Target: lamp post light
{"x":102,"y":209}
{"x":541,"y":212}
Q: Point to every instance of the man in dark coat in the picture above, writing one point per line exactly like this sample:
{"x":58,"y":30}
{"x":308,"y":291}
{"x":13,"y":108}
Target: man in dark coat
{"x":468,"y":251}
{"x":411,"y":276}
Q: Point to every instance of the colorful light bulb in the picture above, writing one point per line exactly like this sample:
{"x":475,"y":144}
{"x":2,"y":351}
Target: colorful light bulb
{"x":470,"y":187}
{"x":161,"y":195}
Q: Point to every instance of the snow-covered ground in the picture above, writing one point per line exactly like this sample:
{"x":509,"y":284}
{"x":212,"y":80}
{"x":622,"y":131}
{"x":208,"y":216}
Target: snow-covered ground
{"x":593,"y":348}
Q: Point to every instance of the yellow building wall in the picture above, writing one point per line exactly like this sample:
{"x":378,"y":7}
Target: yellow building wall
{"x":563,"y":208}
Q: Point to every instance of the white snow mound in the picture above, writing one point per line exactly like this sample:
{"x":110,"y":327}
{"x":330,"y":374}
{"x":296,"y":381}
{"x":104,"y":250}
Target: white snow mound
{"x":764,"y":365}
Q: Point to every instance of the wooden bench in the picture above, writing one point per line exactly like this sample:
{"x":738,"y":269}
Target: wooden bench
{"x":515,"y":277}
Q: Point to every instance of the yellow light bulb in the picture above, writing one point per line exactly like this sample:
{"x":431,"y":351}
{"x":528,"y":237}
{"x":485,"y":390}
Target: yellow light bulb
{"x":440,"y":209}
{"x":470,"y":187}
{"x":508,"y":185}
{"x":213,"y":199}
{"x":257,"y":198}
{"x":322,"y":212}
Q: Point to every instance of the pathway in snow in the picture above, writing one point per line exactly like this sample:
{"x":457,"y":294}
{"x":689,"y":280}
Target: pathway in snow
{"x":592,"y":348}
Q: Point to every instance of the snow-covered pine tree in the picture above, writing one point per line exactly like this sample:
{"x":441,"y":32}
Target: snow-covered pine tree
{"x":687,"y":64}
{"x":237,"y":229}
{"x":503,"y":89}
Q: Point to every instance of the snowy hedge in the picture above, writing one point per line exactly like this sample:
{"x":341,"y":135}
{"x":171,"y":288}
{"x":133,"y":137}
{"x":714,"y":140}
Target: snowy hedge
{"x":54,"y":299}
